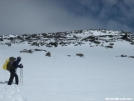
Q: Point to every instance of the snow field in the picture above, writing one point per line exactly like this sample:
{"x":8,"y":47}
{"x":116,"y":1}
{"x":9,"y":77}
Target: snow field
{"x":94,"y":77}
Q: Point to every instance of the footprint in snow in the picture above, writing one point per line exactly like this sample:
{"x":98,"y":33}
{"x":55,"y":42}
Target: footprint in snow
{"x":10,"y":93}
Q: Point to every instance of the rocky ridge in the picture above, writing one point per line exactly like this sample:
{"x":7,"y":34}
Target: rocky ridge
{"x":100,"y":37}
{"x":77,"y":37}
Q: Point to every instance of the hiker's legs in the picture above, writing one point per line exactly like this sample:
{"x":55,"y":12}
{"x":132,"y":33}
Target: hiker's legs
{"x":12,"y":74}
{"x":16,"y":79}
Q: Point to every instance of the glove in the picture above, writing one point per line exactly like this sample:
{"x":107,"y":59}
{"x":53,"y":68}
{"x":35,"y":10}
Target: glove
{"x":21,"y":66}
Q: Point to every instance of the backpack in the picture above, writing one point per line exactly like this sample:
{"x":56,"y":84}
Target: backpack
{"x":8,"y":64}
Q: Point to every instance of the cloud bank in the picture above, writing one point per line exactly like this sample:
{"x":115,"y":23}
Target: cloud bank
{"x":40,"y":16}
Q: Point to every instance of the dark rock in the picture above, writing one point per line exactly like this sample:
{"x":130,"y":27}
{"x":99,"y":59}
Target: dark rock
{"x":40,"y":50}
{"x":48,"y":45}
{"x":131,"y":56}
{"x":111,"y":36}
{"x":48,"y":54}
{"x":97,"y":42}
{"x":42,"y":43}
{"x":90,"y":38}
{"x":125,"y":37}
{"x":35,"y":44}
{"x":132,"y":43}
{"x":9,"y":44}
{"x":109,"y":46}
{"x":1,"y":39}
{"x":19,"y":37}
{"x":123,"y":55}
{"x":80,"y":54}
{"x":53,"y":44}
{"x":76,"y":45}
{"x":26,"y":51}
{"x":34,"y":35}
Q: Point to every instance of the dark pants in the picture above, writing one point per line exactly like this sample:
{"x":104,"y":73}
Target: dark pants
{"x":12,"y":75}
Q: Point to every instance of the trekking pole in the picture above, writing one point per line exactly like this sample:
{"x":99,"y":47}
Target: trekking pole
{"x":22,"y":76}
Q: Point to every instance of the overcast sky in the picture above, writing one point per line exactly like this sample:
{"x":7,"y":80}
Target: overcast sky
{"x":43,"y":16}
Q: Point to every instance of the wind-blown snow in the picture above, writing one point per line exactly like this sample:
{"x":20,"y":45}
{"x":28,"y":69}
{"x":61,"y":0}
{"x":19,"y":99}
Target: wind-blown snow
{"x":98,"y":75}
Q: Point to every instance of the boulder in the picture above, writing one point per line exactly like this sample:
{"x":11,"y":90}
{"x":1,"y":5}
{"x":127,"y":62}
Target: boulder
{"x":109,"y":46}
{"x":123,"y":55}
{"x":79,"y":54}
{"x":48,"y":54}
{"x":26,"y":51}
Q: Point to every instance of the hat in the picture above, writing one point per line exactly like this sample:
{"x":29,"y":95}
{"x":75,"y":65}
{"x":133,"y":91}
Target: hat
{"x":18,"y":58}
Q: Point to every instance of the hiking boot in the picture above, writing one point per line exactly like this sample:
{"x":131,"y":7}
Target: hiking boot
{"x":16,"y":83}
{"x":8,"y":84}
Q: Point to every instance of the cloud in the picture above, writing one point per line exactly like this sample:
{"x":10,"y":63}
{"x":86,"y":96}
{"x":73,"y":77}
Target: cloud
{"x":111,"y":24}
{"x":118,"y":13}
{"x":40,"y":16}
{"x":110,"y":2}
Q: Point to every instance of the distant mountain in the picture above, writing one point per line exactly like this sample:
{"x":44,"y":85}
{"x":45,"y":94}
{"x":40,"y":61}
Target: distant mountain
{"x":77,"y":37}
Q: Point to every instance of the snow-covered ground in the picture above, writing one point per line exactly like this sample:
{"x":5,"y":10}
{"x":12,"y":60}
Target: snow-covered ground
{"x":98,"y":75}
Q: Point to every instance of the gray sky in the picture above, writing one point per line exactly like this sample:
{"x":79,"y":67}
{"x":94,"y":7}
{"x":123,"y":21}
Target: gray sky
{"x":43,"y":16}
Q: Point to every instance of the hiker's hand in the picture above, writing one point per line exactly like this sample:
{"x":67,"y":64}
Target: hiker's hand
{"x":21,"y":66}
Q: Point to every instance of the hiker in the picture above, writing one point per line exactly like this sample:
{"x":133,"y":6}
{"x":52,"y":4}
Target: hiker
{"x":13,"y":69}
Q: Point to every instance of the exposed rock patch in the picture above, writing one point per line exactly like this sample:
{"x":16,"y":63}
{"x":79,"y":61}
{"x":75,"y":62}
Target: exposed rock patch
{"x":79,"y":54}
{"x":31,"y":50}
{"x":48,"y":54}
{"x":26,"y":51}
{"x":125,"y":56}
{"x":109,"y":46}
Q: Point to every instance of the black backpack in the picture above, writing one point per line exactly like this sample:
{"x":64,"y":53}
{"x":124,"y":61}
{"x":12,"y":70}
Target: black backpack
{"x":10,"y":63}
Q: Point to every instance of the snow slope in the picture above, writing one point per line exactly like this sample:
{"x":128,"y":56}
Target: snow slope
{"x":100,"y":74}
